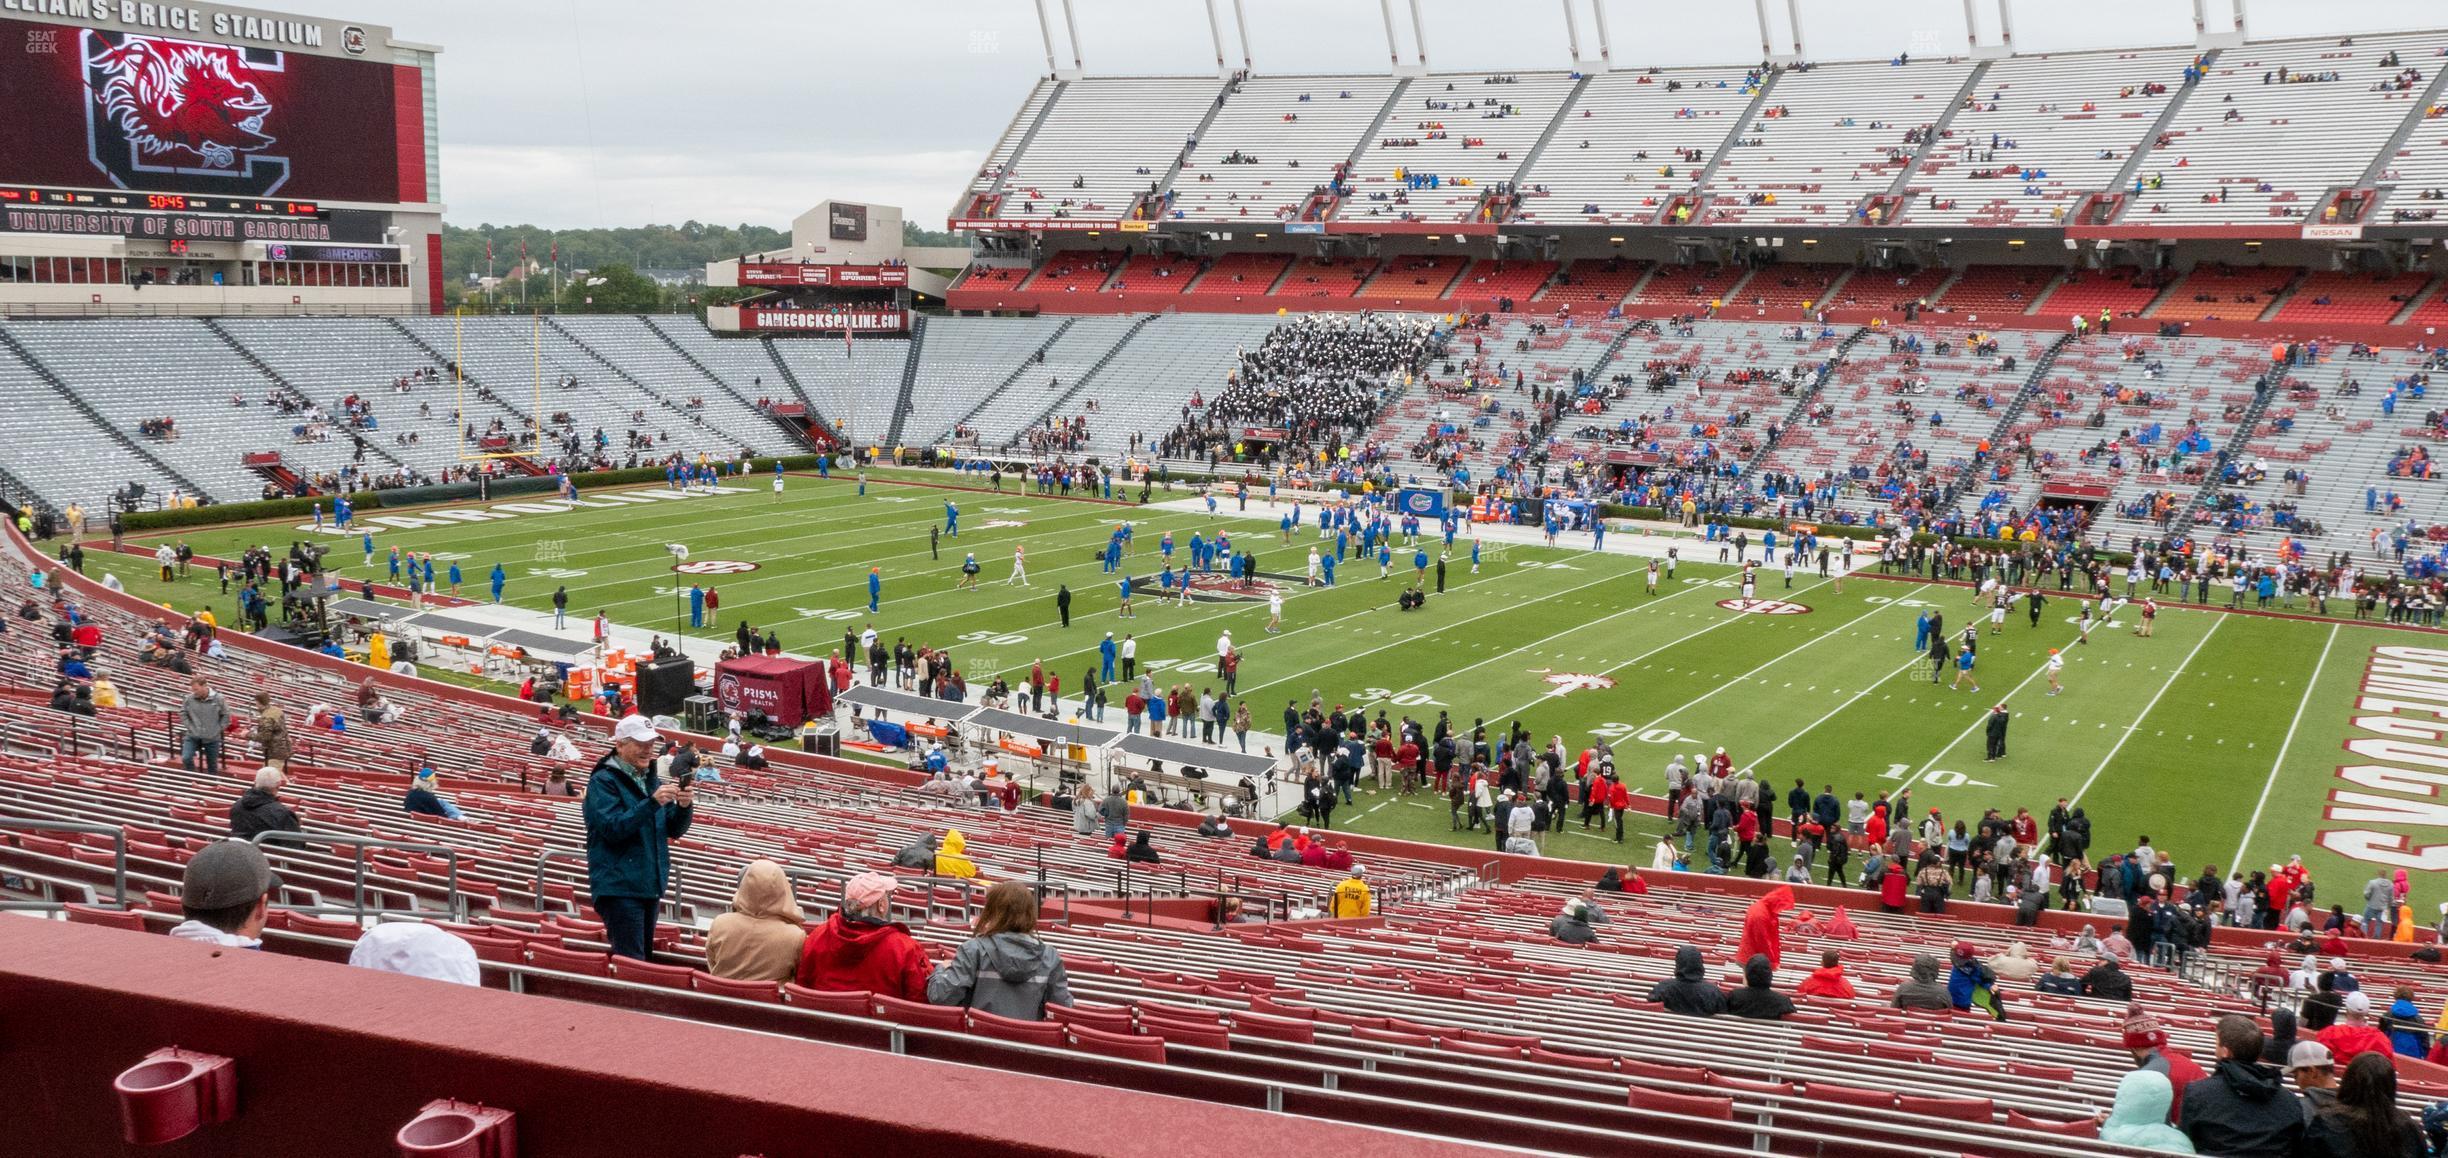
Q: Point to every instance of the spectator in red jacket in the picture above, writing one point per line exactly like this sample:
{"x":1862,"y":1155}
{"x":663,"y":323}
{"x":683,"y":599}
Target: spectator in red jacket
{"x":1828,"y":980}
{"x":862,"y":948}
{"x":2353,"y":1034}
{"x":1761,"y":934}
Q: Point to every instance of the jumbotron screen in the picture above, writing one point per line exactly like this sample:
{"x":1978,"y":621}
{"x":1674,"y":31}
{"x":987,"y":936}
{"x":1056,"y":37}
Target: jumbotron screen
{"x":93,"y":108}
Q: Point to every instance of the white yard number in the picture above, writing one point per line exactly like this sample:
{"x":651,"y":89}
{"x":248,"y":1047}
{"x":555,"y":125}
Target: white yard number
{"x":1405,"y":700}
{"x":1881,"y":599}
{"x":1613,"y":730}
{"x":825,"y":613}
{"x":991,"y":637}
{"x":1935,"y":777}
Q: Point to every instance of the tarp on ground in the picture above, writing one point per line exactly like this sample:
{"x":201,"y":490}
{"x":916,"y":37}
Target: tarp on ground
{"x":788,"y":691}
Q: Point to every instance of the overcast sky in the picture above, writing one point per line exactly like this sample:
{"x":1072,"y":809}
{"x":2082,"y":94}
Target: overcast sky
{"x":575,"y":113}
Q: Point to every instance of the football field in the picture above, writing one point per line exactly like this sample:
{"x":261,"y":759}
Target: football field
{"x":2222,"y":737}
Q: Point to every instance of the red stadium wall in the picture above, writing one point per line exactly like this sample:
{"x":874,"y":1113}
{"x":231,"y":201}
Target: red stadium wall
{"x":333,"y":1060}
{"x":408,"y":113}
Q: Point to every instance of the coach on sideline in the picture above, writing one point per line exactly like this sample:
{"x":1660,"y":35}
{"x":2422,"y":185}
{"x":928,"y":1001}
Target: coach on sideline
{"x":630,"y":822}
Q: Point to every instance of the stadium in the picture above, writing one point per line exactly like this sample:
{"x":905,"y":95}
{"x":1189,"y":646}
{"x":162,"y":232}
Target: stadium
{"x":1844,"y":607}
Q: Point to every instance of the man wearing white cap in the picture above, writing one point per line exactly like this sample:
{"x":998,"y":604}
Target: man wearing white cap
{"x":631,"y":819}
{"x":418,"y":950}
{"x":2353,"y":1034}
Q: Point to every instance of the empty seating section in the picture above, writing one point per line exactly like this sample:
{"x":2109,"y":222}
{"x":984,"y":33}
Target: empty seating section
{"x":999,"y":159}
{"x":78,"y":461}
{"x":857,"y":384}
{"x":964,"y":360}
{"x":2230,"y":293}
{"x":2362,"y":299}
{"x":1826,"y":139}
{"x":2417,"y":177}
{"x":2429,"y":311}
{"x":1155,"y":274}
{"x":1276,"y":140}
{"x":1004,"y":277}
{"x":742,"y":361}
{"x":1077,"y":271}
{"x":1413,"y":278}
{"x":1789,"y":286}
{"x":1325,"y":277}
{"x":1689,"y":288}
{"x":643,"y":355}
{"x":508,"y":354}
{"x":1624,"y":147}
{"x":1592,"y":285}
{"x":1108,"y":141}
{"x":1239,"y":275}
{"x":2041,"y":132}
{"x":1003,"y":417}
{"x":2247,"y":147}
{"x":1879,"y":289}
{"x":329,"y":359}
{"x":1995,"y":291}
{"x":1142,"y":391}
{"x":207,"y":378}
{"x":2132,"y":442}
{"x":2122,"y":292}
{"x":1447,"y":141}
{"x":1486,"y":281}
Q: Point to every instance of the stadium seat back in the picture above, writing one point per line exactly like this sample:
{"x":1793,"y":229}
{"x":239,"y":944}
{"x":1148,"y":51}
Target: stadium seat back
{"x":1128,"y":1047}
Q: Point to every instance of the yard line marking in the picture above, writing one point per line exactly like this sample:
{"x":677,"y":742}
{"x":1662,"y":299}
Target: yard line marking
{"x":1977,"y":724}
{"x":2288,"y":743}
{"x":1340,"y":660}
{"x":2119,"y":746}
{"x":1756,"y":761}
{"x":1736,"y":617}
{"x":1536,"y":642}
{"x":1875,"y":608}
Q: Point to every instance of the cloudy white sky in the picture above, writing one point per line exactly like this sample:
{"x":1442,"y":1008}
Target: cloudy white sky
{"x":572,"y":113}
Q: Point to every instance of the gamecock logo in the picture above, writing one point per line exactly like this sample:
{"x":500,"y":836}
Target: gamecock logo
{"x":1567,"y":682}
{"x":714,"y":567}
{"x":1763,"y":606}
{"x":159,"y":106}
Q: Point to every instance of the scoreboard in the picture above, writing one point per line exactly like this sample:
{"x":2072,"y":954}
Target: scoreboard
{"x":15,"y":195}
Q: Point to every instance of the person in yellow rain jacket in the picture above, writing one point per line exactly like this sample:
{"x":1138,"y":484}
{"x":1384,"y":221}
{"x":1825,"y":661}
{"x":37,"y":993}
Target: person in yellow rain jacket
{"x":1351,"y":898}
{"x":378,"y":652}
{"x":948,"y":859}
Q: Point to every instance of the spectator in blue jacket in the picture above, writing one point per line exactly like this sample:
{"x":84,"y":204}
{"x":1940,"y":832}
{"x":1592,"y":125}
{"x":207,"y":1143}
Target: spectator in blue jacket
{"x":631,"y":818}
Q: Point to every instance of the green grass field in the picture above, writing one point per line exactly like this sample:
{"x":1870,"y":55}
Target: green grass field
{"x":2220,"y":737}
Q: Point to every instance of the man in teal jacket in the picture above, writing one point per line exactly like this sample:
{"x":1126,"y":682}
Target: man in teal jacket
{"x":630,"y":822}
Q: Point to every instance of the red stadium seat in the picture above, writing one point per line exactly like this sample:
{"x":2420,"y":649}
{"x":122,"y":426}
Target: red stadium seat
{"x":1204,"y":1036}
{"x":1849,"y":1095}
{"x":2078,"y":1128}
{"x":917,"y":1013}
{"x":856,"y":1001}
{"x":1686,"y":1075}
{"x":570,"y":960}
{"x":1106,"y":1020}
{"x":1275,"y":1028}
{"x":1694,"y":1106}
{"x":650,"y":973}
{"x":731,"y":987}
{"x":1117,"y":1045}
{"x":106,"y":918}
{"x":995,"y":1025}
{"x":1579,"y":1061}
{"x":1955,"y":1109}
{"x":499,"y":950}
{"x":1720,"y":1081}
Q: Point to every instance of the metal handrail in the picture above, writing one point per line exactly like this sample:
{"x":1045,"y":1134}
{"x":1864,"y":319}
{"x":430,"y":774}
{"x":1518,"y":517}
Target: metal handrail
{"x":671,"y":903}
{"x":357,"y":845}
{"x":966,"y":887}
{"x":118,"y":837}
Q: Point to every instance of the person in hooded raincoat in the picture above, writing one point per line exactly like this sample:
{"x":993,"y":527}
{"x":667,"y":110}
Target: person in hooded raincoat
{"x":760,"y":938}
{"x":2139,"y":1116}
{"x":1761,"y":933}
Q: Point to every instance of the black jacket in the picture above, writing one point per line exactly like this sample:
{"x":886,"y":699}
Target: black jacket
{"x":260,"y":811}
{"x":1755,"y":998}
{"x":1571,"y":930}
{"x":2107,"y":980}
{"x":1689,"y":990}
{"x":2242,"y":1111}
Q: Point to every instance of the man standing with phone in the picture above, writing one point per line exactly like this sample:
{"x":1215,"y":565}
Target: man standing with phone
{"x":631,"y":819}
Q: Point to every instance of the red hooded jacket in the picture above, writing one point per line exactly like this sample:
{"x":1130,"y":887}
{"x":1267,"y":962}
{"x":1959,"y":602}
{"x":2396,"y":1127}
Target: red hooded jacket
{"x":1826,"y":982}
{"x":1760,"y":932}
{"x":848,"y":956}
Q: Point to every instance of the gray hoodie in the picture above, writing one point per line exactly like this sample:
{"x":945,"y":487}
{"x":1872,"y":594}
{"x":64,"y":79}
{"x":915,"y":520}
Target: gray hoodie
{"x":1924,"y":991}
{"x":1012,"y":974}
{"x":206,"y":717}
